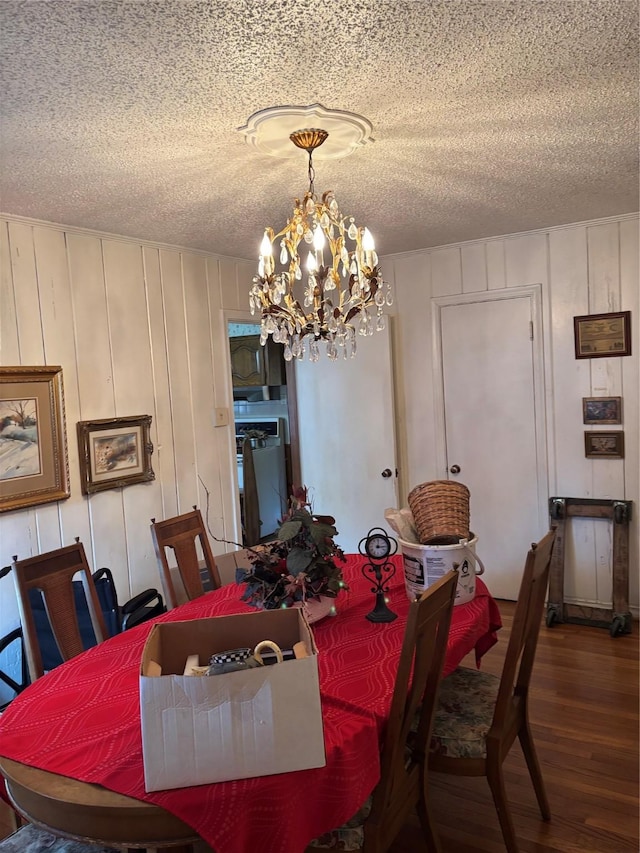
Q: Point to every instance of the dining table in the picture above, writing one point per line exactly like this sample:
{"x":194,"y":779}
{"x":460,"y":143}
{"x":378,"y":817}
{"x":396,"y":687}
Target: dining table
{"x":76,"y":731}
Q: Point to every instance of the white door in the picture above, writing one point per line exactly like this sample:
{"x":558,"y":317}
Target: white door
{"x":347,"y":437}
{"x":494,"y":435}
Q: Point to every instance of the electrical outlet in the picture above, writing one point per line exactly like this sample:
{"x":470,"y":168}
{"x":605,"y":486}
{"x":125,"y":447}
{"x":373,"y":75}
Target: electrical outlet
{"x":222,"y":416}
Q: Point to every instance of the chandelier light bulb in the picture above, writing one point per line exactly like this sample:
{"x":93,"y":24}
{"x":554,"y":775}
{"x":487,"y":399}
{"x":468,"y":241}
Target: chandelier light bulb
{"x":265,"y":246}
{"x":368,"y":243}
{"x":319,"y":241}
{"x":336,"y":297}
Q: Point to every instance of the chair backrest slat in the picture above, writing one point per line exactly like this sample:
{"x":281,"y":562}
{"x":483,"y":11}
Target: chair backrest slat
{"x":52,"y":574}
{"x":523,"y":640}
{"x":415,"y":695}
{"x":181,"y":534}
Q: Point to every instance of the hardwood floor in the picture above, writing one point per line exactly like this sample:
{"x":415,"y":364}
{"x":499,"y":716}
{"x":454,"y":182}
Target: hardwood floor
{"x":584,"y":710}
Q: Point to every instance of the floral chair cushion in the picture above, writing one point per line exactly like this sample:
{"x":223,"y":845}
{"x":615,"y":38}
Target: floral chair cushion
{"x":350,"y":836}
{"x":464,"y":714}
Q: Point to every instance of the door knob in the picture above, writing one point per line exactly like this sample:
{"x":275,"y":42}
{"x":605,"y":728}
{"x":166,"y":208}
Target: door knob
{"x":387,"y":473}
{"x":455,"y":469}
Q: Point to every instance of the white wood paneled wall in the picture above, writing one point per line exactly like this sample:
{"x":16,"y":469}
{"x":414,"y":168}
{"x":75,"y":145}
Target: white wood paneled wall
{"x":141,"y":329}
{"x":138,"y":329}
{"x":583,"y":269}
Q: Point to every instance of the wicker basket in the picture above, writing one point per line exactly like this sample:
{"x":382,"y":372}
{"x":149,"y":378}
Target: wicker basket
{"x":440,"y":511}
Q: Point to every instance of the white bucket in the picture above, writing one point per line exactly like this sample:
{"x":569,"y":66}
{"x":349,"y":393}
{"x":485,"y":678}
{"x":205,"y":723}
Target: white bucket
{"x":426,"y":564}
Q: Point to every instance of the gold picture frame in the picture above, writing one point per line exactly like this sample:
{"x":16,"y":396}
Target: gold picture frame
{"x":34,"y":467}
{"x":604,"y":445}
{"x":115,"y":452}
{"x":602,"y":335}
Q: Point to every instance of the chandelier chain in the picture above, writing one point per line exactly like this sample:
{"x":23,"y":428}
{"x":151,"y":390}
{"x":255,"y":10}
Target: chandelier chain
{"x":311,"y":173}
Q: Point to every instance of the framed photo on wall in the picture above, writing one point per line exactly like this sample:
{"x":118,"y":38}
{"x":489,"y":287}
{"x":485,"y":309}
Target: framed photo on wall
{"x":602,"y":410}
{"x":115,"y":452}
{"x":604,"y":445}
{"x":602,"y":335}
{"x":33,"y":443}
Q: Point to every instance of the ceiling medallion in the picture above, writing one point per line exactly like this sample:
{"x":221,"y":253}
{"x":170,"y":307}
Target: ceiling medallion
{"x":269,"y":130}
{"x":345,"y":290}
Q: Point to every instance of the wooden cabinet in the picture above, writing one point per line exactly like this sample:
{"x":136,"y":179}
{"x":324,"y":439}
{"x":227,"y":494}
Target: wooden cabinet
{"x":247,"y":361}
{"x":254,"y":364}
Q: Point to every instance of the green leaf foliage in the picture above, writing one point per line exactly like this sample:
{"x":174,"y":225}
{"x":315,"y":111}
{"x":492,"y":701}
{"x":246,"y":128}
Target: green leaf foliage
{"x":298,"y":560}
{"x":289,"y":529}
{"x":321,"y":532}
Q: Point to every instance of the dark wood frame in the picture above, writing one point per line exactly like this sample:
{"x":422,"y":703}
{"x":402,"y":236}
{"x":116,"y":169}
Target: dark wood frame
{"x":591,"y":440}
{"x":93,"y":481}
{"x":618,"y":617}
{"x":592,"y":341}
{"x":596,"y":402}
{"x":43,"y":383}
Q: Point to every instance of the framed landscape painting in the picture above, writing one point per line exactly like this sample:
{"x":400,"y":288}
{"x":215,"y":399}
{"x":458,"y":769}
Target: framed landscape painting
{"x":33,"y":445}
{"x":115,"y":452}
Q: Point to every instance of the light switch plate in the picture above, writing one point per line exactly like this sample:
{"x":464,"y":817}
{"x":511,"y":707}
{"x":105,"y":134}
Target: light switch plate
{"x":222,"y":416}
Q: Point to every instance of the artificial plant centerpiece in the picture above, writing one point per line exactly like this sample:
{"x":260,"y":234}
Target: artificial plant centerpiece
{"x":300,"y":566}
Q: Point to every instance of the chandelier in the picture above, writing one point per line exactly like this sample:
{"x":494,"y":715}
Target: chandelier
{"x":340,"y":292}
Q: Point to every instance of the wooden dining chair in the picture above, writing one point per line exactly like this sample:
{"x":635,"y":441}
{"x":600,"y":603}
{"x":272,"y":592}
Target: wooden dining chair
{"x":182,"y":534}
{"x":480,"y":715}
{"x":403,"y":780}
{"x":52,"y":574}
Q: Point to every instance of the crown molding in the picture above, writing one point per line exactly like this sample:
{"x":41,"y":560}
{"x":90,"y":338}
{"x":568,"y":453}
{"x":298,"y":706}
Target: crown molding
{"x":622,"y":217}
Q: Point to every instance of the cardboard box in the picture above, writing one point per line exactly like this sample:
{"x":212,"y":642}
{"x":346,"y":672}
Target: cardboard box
{"x":256,"y":722}
{"x":228,"y":563}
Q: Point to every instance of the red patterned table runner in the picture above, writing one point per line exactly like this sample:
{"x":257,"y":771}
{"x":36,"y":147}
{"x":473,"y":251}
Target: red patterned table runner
{"x":83,"y":720}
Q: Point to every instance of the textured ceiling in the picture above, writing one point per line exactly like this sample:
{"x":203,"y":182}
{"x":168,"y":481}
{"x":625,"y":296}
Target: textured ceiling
{"x":488,"y":117}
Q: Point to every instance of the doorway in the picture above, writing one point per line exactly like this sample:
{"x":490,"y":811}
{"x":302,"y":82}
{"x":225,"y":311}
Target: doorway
{"x":261,"y":416}
{"x":489,"y":376}
{"x":340,"y":431}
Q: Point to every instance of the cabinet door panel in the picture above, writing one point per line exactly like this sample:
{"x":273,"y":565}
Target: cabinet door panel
{"x":247,"y":361}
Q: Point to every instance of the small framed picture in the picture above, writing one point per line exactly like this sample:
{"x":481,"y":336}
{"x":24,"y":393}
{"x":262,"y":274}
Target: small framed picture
{"x":602,"y":335}
{"x":604,"y":445}
{"x":602,"y":410}
{"x":115,"y":452}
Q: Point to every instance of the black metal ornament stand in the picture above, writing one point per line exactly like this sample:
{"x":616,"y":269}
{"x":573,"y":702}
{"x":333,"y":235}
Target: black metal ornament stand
{"x":380,"y":575}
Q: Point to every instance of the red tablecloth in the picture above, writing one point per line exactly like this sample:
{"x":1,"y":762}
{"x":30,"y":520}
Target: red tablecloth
{"x":83,"y":720}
